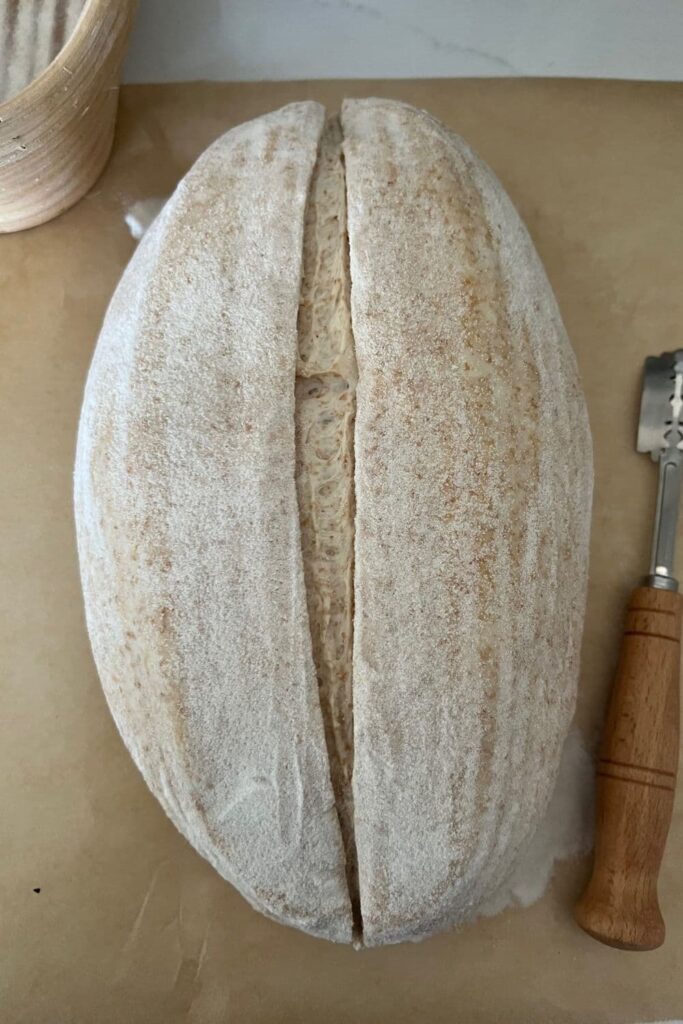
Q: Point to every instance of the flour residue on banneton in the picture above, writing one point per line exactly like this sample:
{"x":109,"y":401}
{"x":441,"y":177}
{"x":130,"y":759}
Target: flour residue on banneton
{"x":326,"y":379}
{"x":32,"y":32}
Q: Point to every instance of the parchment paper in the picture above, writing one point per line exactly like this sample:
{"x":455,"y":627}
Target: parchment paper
{"x":107,"y":914}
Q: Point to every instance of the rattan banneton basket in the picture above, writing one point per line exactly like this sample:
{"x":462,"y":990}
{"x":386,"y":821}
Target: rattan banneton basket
{"x":56,"y":133}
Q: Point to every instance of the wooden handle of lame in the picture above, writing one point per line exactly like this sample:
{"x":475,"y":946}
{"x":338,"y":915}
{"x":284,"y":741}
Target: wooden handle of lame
{"x":636,"y":778}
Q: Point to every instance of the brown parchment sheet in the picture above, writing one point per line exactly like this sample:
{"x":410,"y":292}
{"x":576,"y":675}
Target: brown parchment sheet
{"x":108,"y":915}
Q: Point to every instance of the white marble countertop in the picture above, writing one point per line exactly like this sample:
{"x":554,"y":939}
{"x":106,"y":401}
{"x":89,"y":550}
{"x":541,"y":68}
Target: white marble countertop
{"x":244,"y":40}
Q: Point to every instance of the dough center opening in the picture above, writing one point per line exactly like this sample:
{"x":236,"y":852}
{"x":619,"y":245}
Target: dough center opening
{"x":325,"y":407}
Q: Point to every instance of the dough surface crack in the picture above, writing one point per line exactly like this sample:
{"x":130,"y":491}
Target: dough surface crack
{"x":325,"y":407}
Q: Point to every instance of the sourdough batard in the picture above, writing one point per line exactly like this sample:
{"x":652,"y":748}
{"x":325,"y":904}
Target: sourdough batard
{"x":332,"y":495}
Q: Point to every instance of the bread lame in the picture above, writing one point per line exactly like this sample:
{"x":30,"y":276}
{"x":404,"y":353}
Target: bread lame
{"x":639,"y":753}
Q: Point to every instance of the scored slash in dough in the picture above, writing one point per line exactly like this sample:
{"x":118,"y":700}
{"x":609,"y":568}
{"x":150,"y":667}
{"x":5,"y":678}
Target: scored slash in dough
{"x":325,"y":414}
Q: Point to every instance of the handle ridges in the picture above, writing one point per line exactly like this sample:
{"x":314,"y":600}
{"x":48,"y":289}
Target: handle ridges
{"x":636,"y":777}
